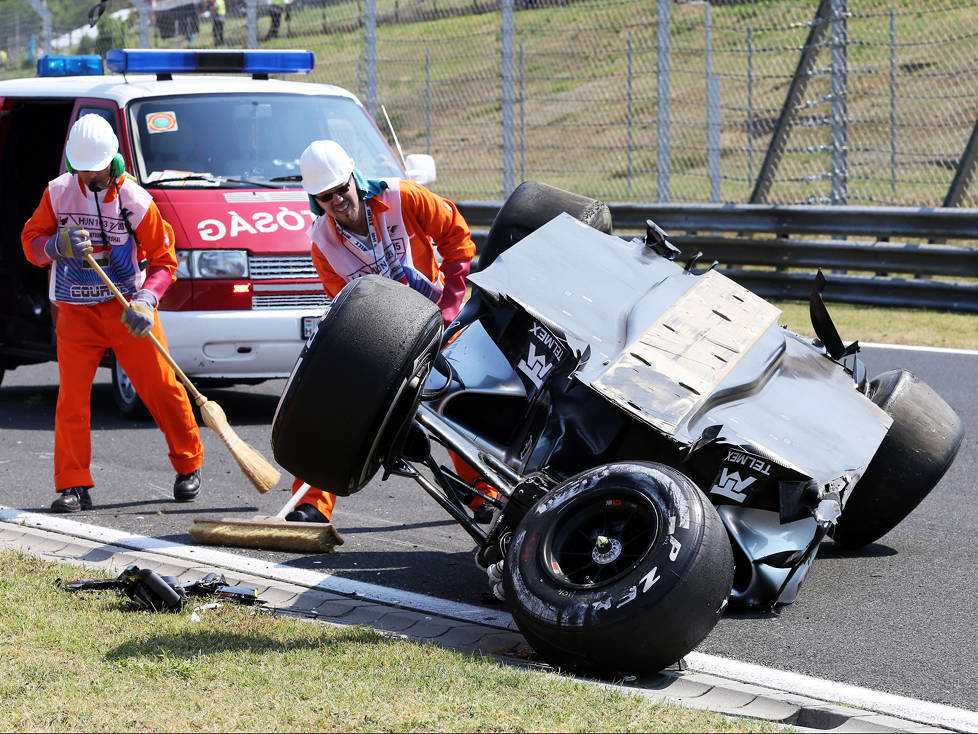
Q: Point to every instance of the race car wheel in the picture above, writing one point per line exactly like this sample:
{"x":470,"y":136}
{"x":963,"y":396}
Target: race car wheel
{"x":915,"y":453}
{"x":356,"y":385}
{"x":622,"y":569}
{"x":124,"y":394}
{"x":532,"y":205}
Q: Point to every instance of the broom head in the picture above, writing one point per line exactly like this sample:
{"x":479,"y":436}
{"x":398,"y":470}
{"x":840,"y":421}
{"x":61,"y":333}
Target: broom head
{"x":256,"y":467}
{"x":267,"y":533}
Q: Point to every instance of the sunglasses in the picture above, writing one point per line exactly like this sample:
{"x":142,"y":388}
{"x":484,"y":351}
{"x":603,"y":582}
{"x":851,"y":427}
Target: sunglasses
{"x":328,"y":196}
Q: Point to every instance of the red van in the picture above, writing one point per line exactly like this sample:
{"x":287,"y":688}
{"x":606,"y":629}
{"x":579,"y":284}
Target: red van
{"x":219,"y":152}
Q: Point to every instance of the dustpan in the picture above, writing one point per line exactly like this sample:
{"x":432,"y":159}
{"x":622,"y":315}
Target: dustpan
{"x":269,"y":532}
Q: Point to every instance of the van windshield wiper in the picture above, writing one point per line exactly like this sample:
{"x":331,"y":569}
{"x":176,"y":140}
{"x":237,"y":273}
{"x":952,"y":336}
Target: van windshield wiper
{"x":213,"y":179}
{"x":280,"y":179}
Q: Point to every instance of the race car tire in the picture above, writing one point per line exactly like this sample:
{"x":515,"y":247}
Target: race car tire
{"x":351,"y":396}
{"x":124,"y":394}
{"x":532,"y":205}
{"x":914,"y":455}
{"x":620,"y":570}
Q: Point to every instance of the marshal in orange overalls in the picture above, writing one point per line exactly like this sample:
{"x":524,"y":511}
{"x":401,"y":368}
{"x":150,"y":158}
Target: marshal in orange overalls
{"x":127,"y":231}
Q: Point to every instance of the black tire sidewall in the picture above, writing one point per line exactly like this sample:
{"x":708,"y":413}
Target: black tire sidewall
{"x":531,"y":205}
{"x":651,"y":615}
{"x":348,"y":376}
{"x":913,"y":456}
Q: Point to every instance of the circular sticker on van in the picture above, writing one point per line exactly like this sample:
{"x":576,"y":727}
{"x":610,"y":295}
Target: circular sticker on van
{"x":161,"y":122}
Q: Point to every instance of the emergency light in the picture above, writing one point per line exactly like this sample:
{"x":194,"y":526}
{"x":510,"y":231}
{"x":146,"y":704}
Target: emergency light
{"x":69,"y":65}
{"x":158,"y":61}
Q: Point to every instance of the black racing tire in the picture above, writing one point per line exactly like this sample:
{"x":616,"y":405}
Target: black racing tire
{"x":124,"y":394}
{"x":914,"y":455}
{"x":356,"y":385}
{"x":636,"y":601}
{"x":532,"y":205}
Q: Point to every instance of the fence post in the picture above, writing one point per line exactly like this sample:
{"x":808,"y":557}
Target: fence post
{"x":712,"y":115}
{"x":630,"y":121}
{"x":522,"y":119}
{"x":750,"y":103}
{"x":144,"y":9}
{"x":370,"y":53}
{"x":508,"y":98}
{"x":839,"y":104}
{"x":251,"y":21}
{"x":41,"y":9}
{"x":427,"y":98}
{"x":662,"y":100}
{"x":892,"y":103}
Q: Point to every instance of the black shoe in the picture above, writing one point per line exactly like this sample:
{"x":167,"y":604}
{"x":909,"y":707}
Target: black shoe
{"x":306,"y":513}
{"x":186,"y":486}
{"x":72,"y":499}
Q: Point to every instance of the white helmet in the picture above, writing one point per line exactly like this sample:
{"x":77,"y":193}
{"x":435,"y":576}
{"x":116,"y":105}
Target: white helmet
{"x":324,"y":165}
{"x":91,"y":144}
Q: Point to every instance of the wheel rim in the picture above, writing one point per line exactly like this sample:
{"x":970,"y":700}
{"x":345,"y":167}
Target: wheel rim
{"x":600,"y":538}
{"x":126,"y":391}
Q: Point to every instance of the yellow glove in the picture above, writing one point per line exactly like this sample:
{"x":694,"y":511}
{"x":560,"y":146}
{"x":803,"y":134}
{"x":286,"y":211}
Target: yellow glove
{"x":69,"y":242}
{"x":138,"y":318}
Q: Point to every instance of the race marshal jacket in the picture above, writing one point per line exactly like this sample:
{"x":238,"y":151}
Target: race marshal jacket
{"x":406,"y":223}
{"x":126,"y":230}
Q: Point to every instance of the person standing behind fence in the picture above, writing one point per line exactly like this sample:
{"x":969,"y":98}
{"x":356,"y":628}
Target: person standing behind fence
{"x":218,"y":16}
{"x":275,"y":11}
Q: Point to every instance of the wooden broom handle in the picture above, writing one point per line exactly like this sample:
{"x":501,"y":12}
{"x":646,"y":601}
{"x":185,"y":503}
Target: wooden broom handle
{"x":198,"y":398}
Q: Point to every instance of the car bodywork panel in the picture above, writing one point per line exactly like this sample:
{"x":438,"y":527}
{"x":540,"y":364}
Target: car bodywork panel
{"x":772,"y":429}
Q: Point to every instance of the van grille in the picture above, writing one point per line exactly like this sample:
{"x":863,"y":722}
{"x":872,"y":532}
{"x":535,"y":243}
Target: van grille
{"x":303,"y":300}
{"x":267,"y":267}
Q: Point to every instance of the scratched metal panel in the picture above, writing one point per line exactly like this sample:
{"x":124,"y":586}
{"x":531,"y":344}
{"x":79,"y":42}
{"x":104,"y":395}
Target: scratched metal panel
{"x":667,"y":373}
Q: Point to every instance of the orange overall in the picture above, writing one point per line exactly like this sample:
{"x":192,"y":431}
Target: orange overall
{"x":92,"y":324}
{"x":406,"y":211}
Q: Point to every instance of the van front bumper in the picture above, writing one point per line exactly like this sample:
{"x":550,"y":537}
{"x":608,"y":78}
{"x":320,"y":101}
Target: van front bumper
{"x":233,"y":345}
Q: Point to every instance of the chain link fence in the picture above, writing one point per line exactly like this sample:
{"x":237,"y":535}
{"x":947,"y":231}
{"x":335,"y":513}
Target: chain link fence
{"x":860,"y":102}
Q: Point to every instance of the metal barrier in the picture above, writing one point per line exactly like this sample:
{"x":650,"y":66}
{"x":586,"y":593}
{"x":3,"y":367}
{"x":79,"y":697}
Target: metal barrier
{"x":884,"y":256}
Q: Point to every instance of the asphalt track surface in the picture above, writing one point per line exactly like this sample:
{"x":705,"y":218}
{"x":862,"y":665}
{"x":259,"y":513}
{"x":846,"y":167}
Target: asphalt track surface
{"x":897,"y":616}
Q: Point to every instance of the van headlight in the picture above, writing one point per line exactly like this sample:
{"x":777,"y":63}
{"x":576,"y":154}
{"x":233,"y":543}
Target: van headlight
{"x":212,"y":264}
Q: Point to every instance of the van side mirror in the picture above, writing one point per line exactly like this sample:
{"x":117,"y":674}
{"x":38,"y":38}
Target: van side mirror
{"x":420,"y":168}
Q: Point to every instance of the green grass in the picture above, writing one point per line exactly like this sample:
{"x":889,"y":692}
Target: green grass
{"x":83,"y":662}
{"x":889,"y":325}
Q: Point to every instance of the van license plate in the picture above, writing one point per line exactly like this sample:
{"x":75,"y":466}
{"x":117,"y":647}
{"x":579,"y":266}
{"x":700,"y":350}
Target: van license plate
{"x":309,"y":326}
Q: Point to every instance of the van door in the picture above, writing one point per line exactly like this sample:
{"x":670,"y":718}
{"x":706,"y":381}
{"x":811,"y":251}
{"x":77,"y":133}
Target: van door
{"x":32,"y":136}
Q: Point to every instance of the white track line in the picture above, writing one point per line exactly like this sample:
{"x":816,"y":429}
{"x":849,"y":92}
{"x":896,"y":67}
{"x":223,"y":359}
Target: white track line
{"x":780,"y":680}
{"x":934,"y":714}
{"x":911,"y":348}
{"x":204,"y":556}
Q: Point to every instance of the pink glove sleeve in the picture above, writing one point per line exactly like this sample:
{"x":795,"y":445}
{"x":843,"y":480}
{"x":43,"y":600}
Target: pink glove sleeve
{"x":158,"y":279}
{"x":450,"y":303}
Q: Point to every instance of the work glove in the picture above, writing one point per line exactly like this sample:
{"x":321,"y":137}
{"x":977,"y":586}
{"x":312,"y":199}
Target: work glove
{"x":69,"y":242}
{"x":138,"y":318}
{"x":450,"y":303}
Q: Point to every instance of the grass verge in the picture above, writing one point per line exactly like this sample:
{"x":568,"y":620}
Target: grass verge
{"x":888,"y":325}
{"x":83,"y":661}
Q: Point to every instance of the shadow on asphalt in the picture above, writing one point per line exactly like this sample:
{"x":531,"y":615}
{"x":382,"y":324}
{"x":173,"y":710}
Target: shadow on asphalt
{"x":32,"y":408}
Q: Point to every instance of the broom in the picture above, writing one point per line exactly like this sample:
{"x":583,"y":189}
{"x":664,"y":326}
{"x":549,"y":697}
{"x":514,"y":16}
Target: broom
{"x":269,"y":533}
{"x":258,"y":470}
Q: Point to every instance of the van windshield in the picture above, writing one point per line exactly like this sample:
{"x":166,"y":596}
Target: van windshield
{"x":238,"y":140}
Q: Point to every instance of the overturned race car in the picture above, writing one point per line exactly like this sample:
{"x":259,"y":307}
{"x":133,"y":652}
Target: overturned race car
{"x":662,"y":447}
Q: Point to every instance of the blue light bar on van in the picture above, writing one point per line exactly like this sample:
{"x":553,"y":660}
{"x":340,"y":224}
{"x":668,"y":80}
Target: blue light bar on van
{"x":154,"y":61}
{"x":74,"y":65}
